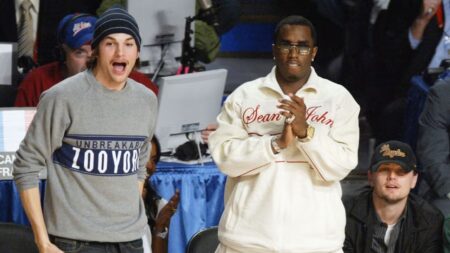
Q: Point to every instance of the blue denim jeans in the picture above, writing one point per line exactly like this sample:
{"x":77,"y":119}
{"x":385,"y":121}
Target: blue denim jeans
{"x":76,"y":246}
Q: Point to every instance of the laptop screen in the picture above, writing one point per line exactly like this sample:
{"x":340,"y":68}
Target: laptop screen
{"x":187,"y":104}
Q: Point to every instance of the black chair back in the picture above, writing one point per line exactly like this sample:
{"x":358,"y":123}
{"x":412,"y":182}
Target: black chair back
{"x":204,"y":241}
{"x":7,"y":95}
{"x":15,"y":238}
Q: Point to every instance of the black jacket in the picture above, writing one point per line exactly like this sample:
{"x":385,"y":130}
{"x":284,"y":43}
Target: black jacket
{"x":399,"y":57}
{"x":8,"y":29}
{"x":421,"y":233}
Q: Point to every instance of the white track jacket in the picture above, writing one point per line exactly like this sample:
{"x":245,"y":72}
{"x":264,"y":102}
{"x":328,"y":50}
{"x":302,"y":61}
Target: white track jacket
{"x":289,"y":202}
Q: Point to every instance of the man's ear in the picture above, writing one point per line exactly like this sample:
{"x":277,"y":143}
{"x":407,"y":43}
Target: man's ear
{"x":370,"y":178}
{"x":273,"y":51}
{"x":314,"y":52}
{"x":414,"y":179}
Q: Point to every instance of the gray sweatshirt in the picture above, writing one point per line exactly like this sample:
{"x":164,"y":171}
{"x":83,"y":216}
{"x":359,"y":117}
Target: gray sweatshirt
{"x":94,"y":143}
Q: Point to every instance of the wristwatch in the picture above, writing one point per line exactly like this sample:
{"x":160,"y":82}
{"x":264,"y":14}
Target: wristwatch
{"x":309,"y":134}
{"x":275,"y":145}
{"x":163,"y":234}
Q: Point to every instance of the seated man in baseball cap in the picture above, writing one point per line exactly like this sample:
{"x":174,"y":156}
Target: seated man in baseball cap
{"x":74,"y":37}
{"x":388,"y":217}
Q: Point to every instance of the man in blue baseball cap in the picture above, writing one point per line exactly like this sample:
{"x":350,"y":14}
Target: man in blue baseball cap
{"x":74,"y":38}
{"x":388,"y":217}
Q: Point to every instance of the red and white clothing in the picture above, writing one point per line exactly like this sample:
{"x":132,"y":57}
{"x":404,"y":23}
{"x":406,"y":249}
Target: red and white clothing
{"x":291,"y":201}
{"x":42,"y":78}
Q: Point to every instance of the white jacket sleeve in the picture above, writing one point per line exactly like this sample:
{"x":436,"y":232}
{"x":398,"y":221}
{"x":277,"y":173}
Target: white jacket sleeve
{"x":235,"y":152}
{"x":334,"y":154}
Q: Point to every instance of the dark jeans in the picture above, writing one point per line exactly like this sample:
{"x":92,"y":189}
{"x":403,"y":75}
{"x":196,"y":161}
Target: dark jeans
{"x":76,"y":246}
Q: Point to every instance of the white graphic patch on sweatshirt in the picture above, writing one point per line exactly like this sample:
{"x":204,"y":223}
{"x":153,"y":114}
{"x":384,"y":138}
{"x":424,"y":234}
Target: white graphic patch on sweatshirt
{"x":101,"y":155}
{"x":262,"y":115}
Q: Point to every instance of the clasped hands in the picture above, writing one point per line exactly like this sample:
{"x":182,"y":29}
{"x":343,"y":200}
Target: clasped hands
{"x":294,"y":109}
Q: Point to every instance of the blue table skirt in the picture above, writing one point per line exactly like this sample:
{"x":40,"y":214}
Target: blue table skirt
{"x":201,"y":198}
{"x":11,"y":209}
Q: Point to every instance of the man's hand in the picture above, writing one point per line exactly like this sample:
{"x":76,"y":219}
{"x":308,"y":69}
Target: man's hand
{"x":32,"y":205}
{"x":166,"y":213}
{"x":429,"y":8}
{"x":295,"y":112}
{"x":48,"y":247}
{"x":208,"y":130}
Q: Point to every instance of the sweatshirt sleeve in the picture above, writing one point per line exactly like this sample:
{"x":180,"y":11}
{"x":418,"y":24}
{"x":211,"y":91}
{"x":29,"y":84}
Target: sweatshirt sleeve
{"x":144,"y":155}
{"x":334,"y":154}
{"x":234,"y":151}
{"x":44,"y":134}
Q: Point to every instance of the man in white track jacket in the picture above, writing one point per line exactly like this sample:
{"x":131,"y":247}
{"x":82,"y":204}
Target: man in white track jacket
{"x":285,"y":141}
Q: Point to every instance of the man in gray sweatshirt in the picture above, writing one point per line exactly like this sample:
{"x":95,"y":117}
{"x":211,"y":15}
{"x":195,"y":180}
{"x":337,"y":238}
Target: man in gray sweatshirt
{"x":92,"y":133}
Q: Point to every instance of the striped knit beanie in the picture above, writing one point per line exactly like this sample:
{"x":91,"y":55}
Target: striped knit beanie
{"x":115,"y":20}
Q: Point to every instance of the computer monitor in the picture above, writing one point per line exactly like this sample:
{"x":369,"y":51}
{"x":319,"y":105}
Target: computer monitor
{"x":14,"y":123}
{"x":161,"y":22}
{"x":187,"y":103}
{"x":8,"y":63}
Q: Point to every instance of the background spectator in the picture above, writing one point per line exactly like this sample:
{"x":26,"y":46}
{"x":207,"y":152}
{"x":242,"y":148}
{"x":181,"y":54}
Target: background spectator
{"x":433,"y":146}
{"x":159,"y":211}
{"x":388,"y":218}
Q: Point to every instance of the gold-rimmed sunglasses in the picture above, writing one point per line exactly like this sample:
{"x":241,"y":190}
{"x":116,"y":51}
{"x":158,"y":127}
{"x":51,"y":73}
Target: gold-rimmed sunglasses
{"x":285,"y":48}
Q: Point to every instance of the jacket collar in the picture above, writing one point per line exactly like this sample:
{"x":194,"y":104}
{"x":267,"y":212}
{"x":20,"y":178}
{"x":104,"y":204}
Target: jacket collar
{"x":362,"y":209}
{"x":312,"y":86}
{"x":418,"y":218}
